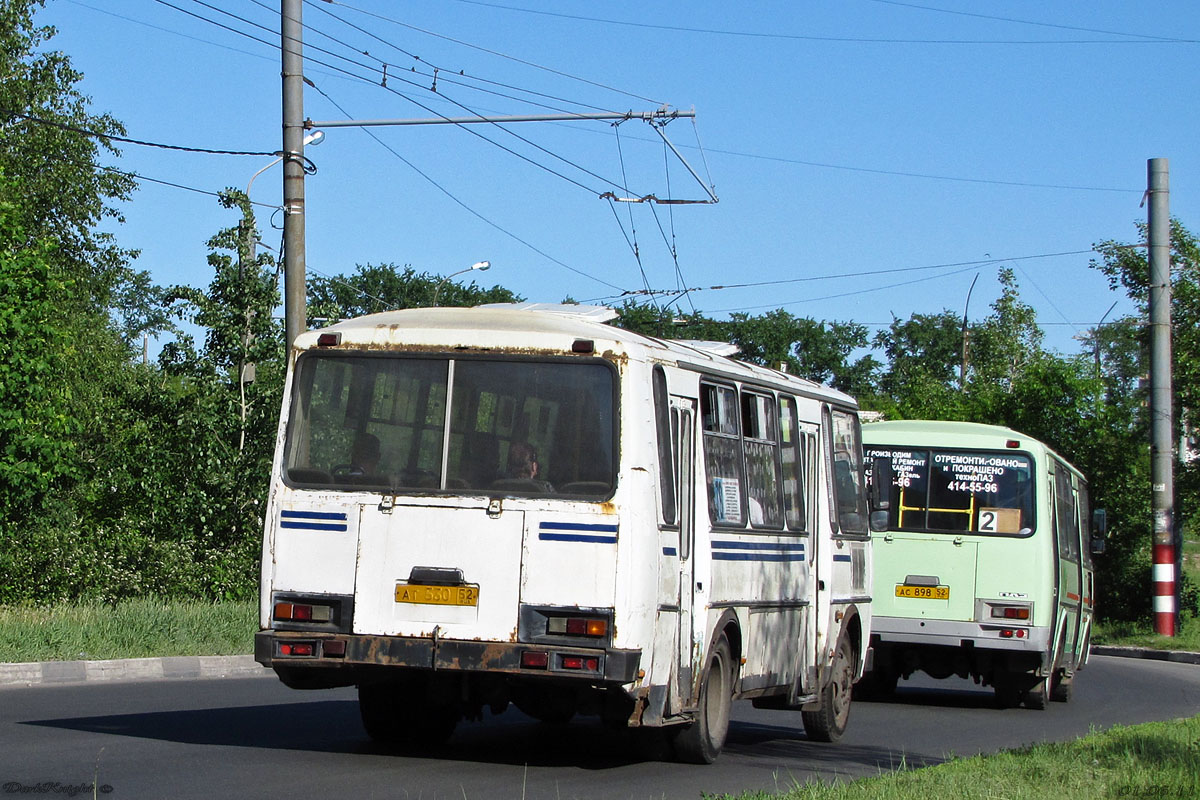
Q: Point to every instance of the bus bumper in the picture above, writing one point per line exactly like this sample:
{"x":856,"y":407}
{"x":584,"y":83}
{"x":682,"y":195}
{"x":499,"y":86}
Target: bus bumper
{"x":348,"y":654}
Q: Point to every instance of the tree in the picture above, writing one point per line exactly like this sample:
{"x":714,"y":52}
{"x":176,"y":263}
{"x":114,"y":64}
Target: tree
{"x":50,"y":147}
{"x":923,"y":354}
{"x":386,"y":287}
{"x":37,"y":423}
{"x":818,"y":351}
{"x":1127,"y":266}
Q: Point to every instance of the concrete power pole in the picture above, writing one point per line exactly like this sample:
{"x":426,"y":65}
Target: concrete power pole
{"x":294,"y":292}
{"x":1161,"y":441}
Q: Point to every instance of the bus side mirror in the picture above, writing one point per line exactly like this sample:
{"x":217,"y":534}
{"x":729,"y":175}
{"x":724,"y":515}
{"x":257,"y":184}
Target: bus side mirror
{"x":881,"y":484}
{"x":880,"y":495}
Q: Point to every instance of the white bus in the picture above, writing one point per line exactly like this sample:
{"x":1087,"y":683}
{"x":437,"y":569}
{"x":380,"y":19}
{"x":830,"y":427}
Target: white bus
{"x":477,"y":507}
{"x":985,"y":567}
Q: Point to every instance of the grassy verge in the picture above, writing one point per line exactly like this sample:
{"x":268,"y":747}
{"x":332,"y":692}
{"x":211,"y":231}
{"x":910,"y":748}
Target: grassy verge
{"x":1156,"y":761}
{"x":129,"y":629}
{"x":1141,"y":634}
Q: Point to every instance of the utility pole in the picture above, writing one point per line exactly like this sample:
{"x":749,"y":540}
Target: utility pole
{"x":294,"y":292}
{"x":1161,"y":441}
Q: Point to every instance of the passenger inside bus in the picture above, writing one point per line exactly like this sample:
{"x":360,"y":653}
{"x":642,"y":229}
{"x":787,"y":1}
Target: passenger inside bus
{"x":522,"y":470}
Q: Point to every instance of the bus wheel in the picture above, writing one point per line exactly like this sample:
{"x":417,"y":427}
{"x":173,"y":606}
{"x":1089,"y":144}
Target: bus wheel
{"x":828,"y":723}
{"x":1062,"y":689}
{"x":700,"y":742}
{"x":1037,"y":696}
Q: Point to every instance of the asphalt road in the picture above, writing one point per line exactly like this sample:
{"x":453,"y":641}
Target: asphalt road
{"x":252,"y":737}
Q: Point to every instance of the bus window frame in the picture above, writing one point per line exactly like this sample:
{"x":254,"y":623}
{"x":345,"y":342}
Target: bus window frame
{"x":304,"y":378}
{"x":1033,"y":489}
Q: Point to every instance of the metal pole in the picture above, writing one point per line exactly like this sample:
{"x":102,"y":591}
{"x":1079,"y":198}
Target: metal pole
{"x":294,"y":296}
{"x":1161,"y":440}
{"x":962,"y":372}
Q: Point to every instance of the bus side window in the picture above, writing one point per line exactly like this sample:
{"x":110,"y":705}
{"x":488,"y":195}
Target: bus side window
{"x":793,"y":463}
{"x":665,"y":420}
{"x":1066,"y":518}
{"x":760,"y":445}
{"x":722,"y":455}
{"x":848,"y":501}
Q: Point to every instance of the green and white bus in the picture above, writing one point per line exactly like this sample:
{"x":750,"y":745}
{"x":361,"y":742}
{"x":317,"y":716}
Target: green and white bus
{"x":985,"y":567}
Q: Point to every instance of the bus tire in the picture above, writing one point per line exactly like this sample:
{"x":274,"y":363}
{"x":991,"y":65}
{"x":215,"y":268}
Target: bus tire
{"x":1038,"y":696}
{"x":828,"y":723}
{"x":701,"y":741}
{"x":1062,"y":689}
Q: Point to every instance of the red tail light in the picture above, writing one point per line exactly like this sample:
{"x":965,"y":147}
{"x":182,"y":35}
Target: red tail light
{"x":533,"y":659}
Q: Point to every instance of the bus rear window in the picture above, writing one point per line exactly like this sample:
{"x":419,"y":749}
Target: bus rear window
{"x":414,"y":424}
{"x":958,"y":491}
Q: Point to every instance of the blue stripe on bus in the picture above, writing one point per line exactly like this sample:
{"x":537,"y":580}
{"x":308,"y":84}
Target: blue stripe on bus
{"x":722,"y":556}
{"x":313,"y":526}
{"x":670,"y":551}
{"x":735,"y":545}
{"x":576,"y":537}
{"x":843,"y":558}
{"x":577,"y":526}
{"x":732,"y":550}
{"x":313,"y":514}
{"x":313,"y":520}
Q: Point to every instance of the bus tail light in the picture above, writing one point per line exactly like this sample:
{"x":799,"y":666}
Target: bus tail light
{"x":1018,"y":612}
{"x":302,"y":612}
{"x":302,"y":649}
{"x":535,"y":659}
{"x":577,"y":626}
{"x":1011,"y":612}
{"x":581,"y":662}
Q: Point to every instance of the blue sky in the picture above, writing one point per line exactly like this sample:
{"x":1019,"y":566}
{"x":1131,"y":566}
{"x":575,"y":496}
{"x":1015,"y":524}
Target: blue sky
{"x":920,"y":143}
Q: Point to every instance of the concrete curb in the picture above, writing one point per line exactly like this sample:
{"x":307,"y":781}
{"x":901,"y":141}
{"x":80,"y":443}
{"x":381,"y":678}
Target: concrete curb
{"x":61,"y":673}
{"x":1181,"y":656}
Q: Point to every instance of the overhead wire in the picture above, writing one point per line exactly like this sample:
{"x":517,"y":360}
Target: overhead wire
{"x":993,"y":18}
{"x":440,"y":69}
{"x":140,"y":142}
{"x":954,"y":268}
{"x":812,"y":38}
{"x":467,"y":128}
{"x":489,"y":51}
{"x":462,"y":204}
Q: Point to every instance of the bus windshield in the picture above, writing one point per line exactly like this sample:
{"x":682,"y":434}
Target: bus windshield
{"x":406,"y":423}
{"x":958,"y":491}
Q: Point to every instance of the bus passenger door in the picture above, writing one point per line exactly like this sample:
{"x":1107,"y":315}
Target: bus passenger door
{"x":1070,"y":570}
{"x":683,"y":409}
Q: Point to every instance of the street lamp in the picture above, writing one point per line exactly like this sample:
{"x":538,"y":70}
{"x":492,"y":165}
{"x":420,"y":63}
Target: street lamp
{"x":481,"y":266}
{"x":314,"y":138}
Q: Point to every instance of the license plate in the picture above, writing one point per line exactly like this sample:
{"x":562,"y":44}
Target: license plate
{"x":923,"y":592}
{"x":437,"y":595}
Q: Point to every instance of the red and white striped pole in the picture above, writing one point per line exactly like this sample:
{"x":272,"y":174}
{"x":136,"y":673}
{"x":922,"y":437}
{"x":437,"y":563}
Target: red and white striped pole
{"x":1164,"y":589}
{"x":1162,"y":442}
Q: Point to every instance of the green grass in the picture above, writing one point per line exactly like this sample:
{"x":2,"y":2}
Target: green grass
{"x":1141,"y":634}
{"x":129,"y":629}
{"x":1156,"y":761}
